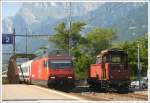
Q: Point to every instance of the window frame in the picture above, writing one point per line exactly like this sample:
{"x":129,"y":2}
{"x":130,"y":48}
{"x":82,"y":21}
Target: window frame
{"x":49,"y":64}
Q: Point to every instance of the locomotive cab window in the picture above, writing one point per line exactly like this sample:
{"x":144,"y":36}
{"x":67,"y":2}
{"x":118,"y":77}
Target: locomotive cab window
{"x":118,"y":58}
{"x":60,"y":64}
{"x":119,"y":61}
{"x":98,"y":59}
{"x":105,"y":58}
{"x":115,"y":59}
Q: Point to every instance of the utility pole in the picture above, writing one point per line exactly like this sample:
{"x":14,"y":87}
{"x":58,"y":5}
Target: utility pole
{"x":26,"y":44}
{"x":139,"y":69}
{"x":70,"y":26}
{"x":14,"y":42}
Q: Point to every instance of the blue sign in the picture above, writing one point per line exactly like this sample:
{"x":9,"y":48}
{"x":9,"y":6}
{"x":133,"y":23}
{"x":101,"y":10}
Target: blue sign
{"x":7,"y":38}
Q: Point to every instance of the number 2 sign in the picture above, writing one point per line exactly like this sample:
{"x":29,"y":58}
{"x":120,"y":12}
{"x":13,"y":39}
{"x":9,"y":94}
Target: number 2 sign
{"x":7,"y":38}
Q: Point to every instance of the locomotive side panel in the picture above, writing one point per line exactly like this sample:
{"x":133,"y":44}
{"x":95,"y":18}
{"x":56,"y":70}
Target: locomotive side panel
{"x":107,"y":71}
{"x":92,"y":71}
{"x":45,"y":70}
{"x":35,"y":69}
{"x":96,"y":71}
{"x":119,"y":72}
{"x":39,"y":70}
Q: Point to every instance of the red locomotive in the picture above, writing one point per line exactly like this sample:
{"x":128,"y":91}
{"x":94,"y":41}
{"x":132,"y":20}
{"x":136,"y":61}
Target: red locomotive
{"x":110,"y":70}
{"x":49,"y":70}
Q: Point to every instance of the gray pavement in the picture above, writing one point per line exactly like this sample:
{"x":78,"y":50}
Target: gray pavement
{"x":22,"y":92}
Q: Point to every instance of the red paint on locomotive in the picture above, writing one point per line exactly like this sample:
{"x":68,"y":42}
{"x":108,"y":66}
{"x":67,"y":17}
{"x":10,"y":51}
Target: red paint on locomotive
{"x":111,"y":69}
{"x":53,"y":70}
{"x":48,"y":70}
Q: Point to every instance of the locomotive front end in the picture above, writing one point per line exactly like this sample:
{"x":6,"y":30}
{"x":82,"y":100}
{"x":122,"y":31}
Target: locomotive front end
{"x":110,"y":71}
{"x":118,"y":71}
{"x":61,"y":72}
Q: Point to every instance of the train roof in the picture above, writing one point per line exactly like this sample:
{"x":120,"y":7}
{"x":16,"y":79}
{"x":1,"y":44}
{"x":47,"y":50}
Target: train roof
{"x":55,"y":57}
{"x":112,"y":50}
{"x":60,"y":57}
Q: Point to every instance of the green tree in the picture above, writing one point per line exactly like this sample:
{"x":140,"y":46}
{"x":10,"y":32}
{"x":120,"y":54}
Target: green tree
{"x":131,"y":49}
{"x":100,"y":39}
{"x":63,"y":35}
{"x":82,"y":64}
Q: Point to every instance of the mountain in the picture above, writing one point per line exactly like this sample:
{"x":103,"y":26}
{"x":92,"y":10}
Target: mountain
{"x":42,"y":18}
{"x":129,"y":18}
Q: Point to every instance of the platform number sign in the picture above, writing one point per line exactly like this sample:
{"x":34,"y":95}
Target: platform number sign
{"x":7,"y":38}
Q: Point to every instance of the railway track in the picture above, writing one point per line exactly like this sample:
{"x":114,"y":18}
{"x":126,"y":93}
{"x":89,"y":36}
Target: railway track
{"x":91,"y":97}
{"x":109,"y":96}
{"x":86,"y":93}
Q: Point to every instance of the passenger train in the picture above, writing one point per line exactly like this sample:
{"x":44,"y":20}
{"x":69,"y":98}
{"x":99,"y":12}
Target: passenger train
{"x":51,"y":70}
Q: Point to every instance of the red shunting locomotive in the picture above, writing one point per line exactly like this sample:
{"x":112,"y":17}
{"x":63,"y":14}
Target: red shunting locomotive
{"x":111,"y":70}
{"x":52,"y":70}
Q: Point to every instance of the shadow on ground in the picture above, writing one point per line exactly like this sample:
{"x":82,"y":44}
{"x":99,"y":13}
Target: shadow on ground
{"x":80,"y":89}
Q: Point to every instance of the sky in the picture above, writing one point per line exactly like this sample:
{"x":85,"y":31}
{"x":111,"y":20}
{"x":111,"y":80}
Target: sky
{"x":10,"y":9}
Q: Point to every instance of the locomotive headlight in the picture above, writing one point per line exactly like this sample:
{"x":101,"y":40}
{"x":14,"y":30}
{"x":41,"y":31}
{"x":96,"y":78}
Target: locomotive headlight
{"x":52,"y":77}
{"x":69,"y":77}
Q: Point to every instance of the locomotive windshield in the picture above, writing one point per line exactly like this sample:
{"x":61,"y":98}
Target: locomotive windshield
{"x":114,"y":58}
{"x":118,"y":58}
{"x":60,"y":64}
